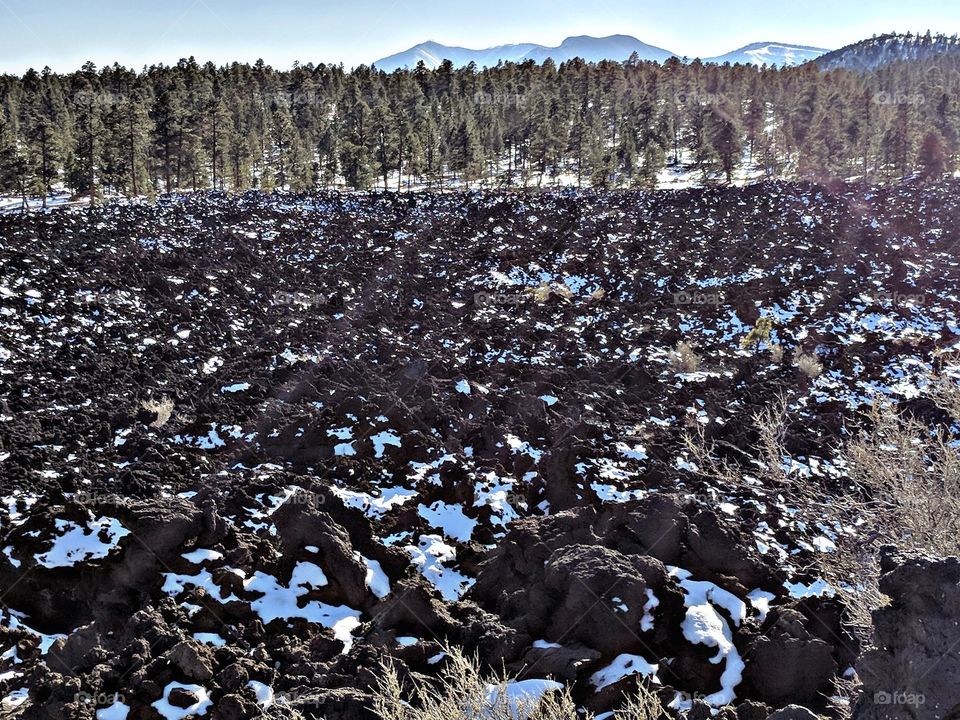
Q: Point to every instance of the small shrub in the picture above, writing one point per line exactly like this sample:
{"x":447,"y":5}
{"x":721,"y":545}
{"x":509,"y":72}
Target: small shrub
{"x":906,"y":492}
{"x":903,"y":490}
{"x":162,"y":408}
{"x":759,"y":335}
{"x":776,"y":354}
{"x":908,"y":481}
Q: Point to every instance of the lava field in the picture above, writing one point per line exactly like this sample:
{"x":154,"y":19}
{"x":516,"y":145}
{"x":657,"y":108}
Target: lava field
{"x":253,"y":445}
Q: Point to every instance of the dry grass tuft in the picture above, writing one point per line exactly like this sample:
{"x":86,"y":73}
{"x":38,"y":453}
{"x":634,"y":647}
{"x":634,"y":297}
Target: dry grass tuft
{"x":845,"y":694}
{"x":162,"y":408}
{"x":684,"y":358}
{"x":767,"y":462}
{"x":776,"y":354}
{"x":541,"y":293}
{"x":461,"y":692}
{"x":809,"y":365}
{"x":644,"y":705}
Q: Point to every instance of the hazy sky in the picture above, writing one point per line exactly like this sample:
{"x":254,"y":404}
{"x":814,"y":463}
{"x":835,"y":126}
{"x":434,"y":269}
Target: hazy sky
{"x":64,"y":33}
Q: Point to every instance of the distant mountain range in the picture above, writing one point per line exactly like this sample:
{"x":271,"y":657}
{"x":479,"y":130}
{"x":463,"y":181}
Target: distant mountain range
{"x":591,"y":49}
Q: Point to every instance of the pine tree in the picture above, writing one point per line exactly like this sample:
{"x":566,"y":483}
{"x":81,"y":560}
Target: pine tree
{"x":861,"y":133}
{"x":43,"y":147}
{"x":946,"y":121}
{"x":238,"y":125}
{"x":238,"y":144}
{"x":466,"y":151}
{"x":355,"y":159}
{"x":653,"y":159}
{"x":678,"y":93}
{"x":413,"y":155}
{"x":653,"y":145}
{"x":169,"y":118}
{"x":698,"y":136}
{"x":327,"y":152}
{"x":897,"y":144}
{"x":281,"y":135}
{"x":82,"y":164}
{"x":823,"y":152}
{"x":218,"y":130}
{"x":627,"y":150}
{"x":492,"y":138}
{"x":547,"y":138}
{"x":806,"y":116}
{"x":409,"y":149}
{"x":193,"y":162}
{"x":603,"y":165}
{"x":754,"y":121}
{"x":14,"y":170}
{"x":384,"y":139}
{"x":725,"y":137}
{"x":933,"y":158}
{"x":427,"y":129}
{"x":125,"y":148}
{"x":582,"y":131}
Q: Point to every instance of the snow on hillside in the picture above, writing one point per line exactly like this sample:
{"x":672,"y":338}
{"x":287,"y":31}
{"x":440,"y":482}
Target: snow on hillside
{"x":770,"y":53}
{"x":614,"y":47}
{"x":433,"y":53}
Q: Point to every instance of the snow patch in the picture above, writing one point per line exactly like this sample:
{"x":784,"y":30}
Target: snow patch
{"x":77,"y":544}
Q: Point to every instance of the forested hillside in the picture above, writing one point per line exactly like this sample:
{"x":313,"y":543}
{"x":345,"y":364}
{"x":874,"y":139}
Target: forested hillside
{"x":193,"y":126}
{"x":890,"y":47}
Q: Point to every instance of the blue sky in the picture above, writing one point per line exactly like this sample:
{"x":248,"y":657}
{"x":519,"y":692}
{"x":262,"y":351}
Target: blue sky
{"x":64,"y":33}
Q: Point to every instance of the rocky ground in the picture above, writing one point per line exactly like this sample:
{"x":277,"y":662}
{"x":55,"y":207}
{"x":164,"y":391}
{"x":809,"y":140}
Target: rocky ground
{"x":251,"y":446}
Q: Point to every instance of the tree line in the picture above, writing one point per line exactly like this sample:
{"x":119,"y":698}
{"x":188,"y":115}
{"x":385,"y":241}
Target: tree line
{"x":189,"y":126}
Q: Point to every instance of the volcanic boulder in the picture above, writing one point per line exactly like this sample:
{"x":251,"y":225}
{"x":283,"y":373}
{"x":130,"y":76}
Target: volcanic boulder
{"x":913,"y":672}
{"x":787,"y":662}
{"x":599,"y":596}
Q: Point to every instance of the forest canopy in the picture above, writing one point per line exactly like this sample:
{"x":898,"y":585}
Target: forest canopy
{"x":190,"y":126}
